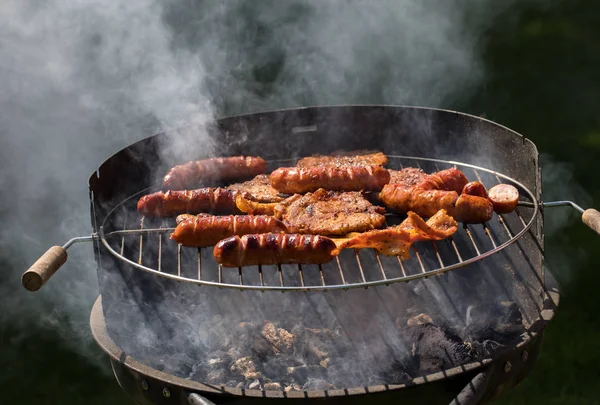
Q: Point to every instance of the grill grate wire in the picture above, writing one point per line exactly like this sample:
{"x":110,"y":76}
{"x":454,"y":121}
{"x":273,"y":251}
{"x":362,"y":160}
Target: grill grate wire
{"x":155,"y":252}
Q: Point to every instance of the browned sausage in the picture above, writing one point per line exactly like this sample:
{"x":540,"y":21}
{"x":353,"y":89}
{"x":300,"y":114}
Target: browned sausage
{"x":274,"y":248}
{"x":189,"y":174}
{"x":171,"y":203}
{"x":471,"y":209}
{"x":291,"y":180}
{"x":475,"y":188}
{"x":425,"y":203}
{"x":504,"y":197}
{"x":207,"y":230}
{"x":451,"y":179}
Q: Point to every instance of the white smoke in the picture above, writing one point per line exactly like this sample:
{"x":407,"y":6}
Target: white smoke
{"x":79,"y":80}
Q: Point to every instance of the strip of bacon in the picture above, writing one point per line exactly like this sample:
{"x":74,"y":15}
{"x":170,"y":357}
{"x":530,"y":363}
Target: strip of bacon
{"x":397,"y":240}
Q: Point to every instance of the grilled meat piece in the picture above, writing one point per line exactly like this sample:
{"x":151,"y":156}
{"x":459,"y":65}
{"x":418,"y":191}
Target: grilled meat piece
{"x":475,"y":188}
{"x":504,"y":197}
{"x":207,"y":230}
{"x":274,"y":248}
{"x":291,"y":180}
{"x":397,"y":240}
{"x":356,"y":158}
{"x":388,"y":242}
{"x":171,"y":203}
{"x":329,"y":213}
{"x":183,"y":217}
{"x":409,"y":176}
{"x":188,"y":175}
{"x":259,"y":188}
{"x":471,"y":209}
{"x":424,"y":202}
{"x":464,"y":208}
{"x":246,"y":205}
{"x":438,"y":227}
{"x":450,"y":180}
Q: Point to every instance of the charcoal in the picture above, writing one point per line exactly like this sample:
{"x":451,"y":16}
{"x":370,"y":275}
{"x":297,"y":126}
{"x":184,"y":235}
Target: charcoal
{"x":237,"y":352}
{"x":397,"y":373}
{"x":314,"y":344}
{"x":217,"y":376}
{"x":421,"y":319}
{"x":304,"y":372}
{"x":435,"y":348}
{"x":244,"y":332}
{"x":272,"y":386}
{"x":217,"y":360}
{"x":292,"y":387}
{"x":500,"y":322}
{"x":277,"y":366}
{"x":281,"y":340}
{"x":246,"y":367}
{"x":317,"y":384}
{"x":272,"y":341}
{"x":255,"y":385}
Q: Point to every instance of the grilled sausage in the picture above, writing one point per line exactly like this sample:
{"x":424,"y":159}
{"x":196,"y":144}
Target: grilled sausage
{"x":189,"y":174}
{"x":425,"y":203}
{"x":475,"y":188}
{"x":471,"y":209}
{"x":451,"y":179}
{"x":504,"y":197}
{"x":213,"y":200}
{"x":274,"y":248}
{"x":291,"y":180}
{"x":207,"y":230}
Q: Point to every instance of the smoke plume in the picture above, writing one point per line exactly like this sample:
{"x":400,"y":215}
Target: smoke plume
{"x":81,"y":80}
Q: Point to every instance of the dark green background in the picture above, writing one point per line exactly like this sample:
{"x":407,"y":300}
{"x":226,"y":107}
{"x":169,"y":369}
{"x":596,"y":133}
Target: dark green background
{"x":543,"y":80}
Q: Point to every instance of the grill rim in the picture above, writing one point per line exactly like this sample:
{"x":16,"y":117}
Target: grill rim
{"x":323,"y":288}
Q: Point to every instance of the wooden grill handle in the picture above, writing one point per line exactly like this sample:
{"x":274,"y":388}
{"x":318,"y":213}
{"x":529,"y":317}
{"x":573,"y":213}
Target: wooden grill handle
{"x":591,"y":218}
{"x":41,"y":271}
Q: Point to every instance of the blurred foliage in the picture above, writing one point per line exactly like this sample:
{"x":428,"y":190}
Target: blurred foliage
{"x":543,"y":80}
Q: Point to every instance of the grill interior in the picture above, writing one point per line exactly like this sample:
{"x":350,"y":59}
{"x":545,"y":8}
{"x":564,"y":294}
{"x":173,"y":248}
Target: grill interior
{"x":145,"y":244}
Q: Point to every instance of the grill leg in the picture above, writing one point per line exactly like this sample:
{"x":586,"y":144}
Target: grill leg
{"x":473,"y":391}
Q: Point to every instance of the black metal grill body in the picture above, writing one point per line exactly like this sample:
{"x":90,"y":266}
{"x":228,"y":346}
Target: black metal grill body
{"x":163,"y":323}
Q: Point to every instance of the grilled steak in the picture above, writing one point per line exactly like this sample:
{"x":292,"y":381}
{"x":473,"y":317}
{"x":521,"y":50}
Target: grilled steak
{"x":330,"y":213}
{"x":259,"y":189}
{"x":356,"y":158}
{"x":409,"y":176}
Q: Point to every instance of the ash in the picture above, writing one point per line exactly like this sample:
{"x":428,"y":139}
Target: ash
{"x":279,"y":356}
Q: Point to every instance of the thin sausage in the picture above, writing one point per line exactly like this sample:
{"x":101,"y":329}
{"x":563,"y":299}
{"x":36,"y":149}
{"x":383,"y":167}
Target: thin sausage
{"x":291,"y":180}
{"x":171,"y":203}
{"x":504,"y":197}
{"x":190,"y":174}
{"x":208,"y":230}
{"x":274,"y":248}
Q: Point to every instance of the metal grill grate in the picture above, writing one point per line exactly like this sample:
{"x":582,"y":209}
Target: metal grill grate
{"x":144,"y":243}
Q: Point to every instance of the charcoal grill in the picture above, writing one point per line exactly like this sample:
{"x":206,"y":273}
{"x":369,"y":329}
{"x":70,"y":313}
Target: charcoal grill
{"x":159,"y":301}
